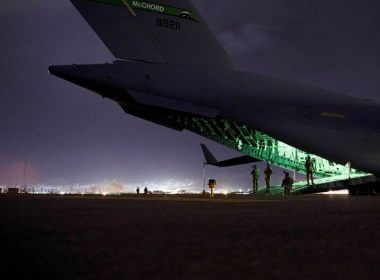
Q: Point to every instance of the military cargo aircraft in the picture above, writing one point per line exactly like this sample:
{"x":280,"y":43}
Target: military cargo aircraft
{"x":171,"y":70}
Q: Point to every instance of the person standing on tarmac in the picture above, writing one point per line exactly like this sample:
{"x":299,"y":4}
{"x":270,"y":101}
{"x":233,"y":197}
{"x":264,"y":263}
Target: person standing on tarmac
{"x":145,"y":190}
{"x":138,"y":190}
{"x":287,"y":184}
{"x":255,"y":179}
{"x":309,"y":166}
{"x":268,"y":174}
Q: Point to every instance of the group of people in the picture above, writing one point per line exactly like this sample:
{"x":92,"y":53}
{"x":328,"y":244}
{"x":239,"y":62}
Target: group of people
{"x":287,"y":182}
{"x":256,"y":175}
{"x":138,"y":190}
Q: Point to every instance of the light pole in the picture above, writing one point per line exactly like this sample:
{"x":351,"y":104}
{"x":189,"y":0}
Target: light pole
{"x":204,"y":177}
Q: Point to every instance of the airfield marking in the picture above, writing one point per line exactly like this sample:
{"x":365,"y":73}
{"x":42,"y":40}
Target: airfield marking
{"x":334,"y":115}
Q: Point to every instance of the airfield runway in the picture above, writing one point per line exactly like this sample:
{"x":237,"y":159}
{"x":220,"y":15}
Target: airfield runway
{"x":309,"y":237}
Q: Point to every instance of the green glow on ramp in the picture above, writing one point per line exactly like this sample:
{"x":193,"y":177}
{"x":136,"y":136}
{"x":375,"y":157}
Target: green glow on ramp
{"x":261,"y":146}
{"x":256,"y":144}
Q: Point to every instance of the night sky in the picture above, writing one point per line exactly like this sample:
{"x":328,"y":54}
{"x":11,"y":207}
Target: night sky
{"x":69,"y":135}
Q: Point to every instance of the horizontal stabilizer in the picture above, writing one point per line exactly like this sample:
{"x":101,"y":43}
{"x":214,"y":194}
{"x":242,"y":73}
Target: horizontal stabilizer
{"x":209,"y":157}
{"x":236,"y":161}
{"x":211,"y":160}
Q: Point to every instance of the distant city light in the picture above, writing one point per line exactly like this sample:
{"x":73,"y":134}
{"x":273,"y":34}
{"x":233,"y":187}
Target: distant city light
{"x":166,"y":186}
{"x":346,"y":192}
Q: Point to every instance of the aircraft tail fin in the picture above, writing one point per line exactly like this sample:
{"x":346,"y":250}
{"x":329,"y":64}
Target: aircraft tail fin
{"x":209,"y":157}
{"x":156,"y":31}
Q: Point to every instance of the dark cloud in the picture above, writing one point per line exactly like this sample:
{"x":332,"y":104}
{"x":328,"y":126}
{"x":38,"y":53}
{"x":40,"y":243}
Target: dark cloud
{"x":331,"y":44}
{"x":248,"y":38}
{"x":71,"y":135}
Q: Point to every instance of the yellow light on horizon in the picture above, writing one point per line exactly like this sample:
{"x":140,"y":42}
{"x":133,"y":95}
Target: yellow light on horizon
{"x":343,"y":192}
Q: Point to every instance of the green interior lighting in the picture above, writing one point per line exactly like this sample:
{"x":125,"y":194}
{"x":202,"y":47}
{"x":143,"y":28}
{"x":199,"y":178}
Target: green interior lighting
{"x":261,"y":146}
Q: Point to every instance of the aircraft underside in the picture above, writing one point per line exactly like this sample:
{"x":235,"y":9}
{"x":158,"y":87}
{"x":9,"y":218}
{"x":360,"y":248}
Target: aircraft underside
{"x":247,"y":141}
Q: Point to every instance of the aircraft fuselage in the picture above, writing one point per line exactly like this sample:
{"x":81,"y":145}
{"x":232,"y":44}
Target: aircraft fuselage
{"x":338,"y":127}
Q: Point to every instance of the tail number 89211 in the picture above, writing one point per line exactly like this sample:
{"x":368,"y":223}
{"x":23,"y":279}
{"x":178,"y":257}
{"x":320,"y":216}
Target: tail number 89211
{"x":169,"y":24}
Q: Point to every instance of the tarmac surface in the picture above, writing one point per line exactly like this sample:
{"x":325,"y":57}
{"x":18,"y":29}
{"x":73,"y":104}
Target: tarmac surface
{"x":154,"y":237}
